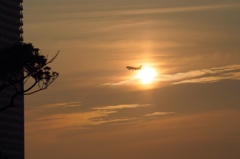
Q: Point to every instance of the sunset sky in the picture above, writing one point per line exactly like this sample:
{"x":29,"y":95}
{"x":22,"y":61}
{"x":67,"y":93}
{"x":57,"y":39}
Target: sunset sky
{"x":185,"y":104}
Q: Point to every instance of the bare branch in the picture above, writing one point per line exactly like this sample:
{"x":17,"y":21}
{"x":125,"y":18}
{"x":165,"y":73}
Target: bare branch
{"x":21,"y":63}
{"x":54,"y":57}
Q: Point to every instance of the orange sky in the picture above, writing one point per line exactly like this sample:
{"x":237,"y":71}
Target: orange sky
{"x":97,"y":109}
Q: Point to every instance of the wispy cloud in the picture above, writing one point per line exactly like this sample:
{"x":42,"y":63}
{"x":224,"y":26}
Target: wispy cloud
{"x":53,"y":108}
{"x":69,"y":120}
{"x":124,"y":106}
{"x":125,"y":82}
{"x":159,"y":114}
{"x":216,"y":74}
{"x":160,"y":10}
{"x":80,"y":119}
{"x":67,"y":104}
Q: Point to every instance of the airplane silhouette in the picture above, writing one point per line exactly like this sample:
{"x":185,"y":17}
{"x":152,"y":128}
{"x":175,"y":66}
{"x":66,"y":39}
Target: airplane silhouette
{"x":134,"y":68}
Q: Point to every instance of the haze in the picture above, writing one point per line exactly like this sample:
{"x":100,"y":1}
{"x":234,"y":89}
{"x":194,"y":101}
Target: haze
{"x":97,"y":109}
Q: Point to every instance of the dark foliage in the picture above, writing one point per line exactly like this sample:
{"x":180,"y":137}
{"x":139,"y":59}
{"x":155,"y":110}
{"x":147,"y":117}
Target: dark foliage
{"x":24,"y":69}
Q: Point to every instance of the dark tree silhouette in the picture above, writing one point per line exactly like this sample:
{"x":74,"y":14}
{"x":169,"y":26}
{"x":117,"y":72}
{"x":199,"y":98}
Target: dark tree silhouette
{"x":25,"y":70}
{"x":2,"y":156}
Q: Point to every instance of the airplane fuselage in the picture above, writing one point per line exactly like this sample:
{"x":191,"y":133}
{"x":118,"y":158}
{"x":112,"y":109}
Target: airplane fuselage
{"x":134,"y":68}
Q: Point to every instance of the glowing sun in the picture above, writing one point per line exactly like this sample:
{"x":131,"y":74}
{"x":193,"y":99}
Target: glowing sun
{"x":146,"y":75}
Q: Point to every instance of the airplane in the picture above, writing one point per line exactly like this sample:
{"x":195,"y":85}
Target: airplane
{"x":134,"y":68}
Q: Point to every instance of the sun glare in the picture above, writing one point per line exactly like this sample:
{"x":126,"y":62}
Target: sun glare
{"x":146,"y":75}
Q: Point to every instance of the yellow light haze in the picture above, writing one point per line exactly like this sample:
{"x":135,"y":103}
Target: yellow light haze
{"x":146,"y":75}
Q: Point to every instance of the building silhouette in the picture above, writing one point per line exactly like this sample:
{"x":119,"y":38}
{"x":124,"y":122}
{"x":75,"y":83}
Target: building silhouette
{"x":11,"y":119}
{"x":10,"y":22}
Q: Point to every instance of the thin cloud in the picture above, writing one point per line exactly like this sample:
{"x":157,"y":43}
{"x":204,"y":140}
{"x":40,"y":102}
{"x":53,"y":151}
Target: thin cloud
{"x":216,"y":74}
{"x":66,"y":104}
{"x":125,"y":82}
{"x":78,"y":120}
{"x":160,"y":10}
{"x":159,"y":114}
{"x":69,"y":120}
{"x":211,"y":75}
{"x":203,"y":80}
{"x":52,"y":108}
{"x":124,"y":106}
